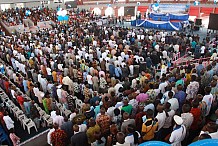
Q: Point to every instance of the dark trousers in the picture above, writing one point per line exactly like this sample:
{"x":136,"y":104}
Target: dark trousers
{"x":192,"y":135}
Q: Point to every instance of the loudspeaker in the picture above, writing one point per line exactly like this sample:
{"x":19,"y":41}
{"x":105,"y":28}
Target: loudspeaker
{"x":198,"y":22}
{"x":213,"y":21}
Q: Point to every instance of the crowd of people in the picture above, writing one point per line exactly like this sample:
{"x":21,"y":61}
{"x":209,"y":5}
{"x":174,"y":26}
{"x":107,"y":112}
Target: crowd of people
{"x":15,"y":16}
{"x":12,"y":17}
{"x":113,"y":71}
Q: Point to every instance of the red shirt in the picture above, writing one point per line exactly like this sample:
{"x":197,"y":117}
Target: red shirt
{"x":196,"y":112}
{"x":138,"y":120}
{"x":20,"y":100}
{"x":6,"y":84}
{"x":58,"y":138}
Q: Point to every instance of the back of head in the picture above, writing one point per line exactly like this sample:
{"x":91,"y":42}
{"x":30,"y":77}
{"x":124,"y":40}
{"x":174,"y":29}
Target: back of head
{"x":204,"y":136}
{"x":207,"y":89}
{"x":170,"y":94}
{"x":167,"y":105}
{"x":195,"y":103}
{"x":55,"y":126}
{"x":120,"y":137}
{"x":179,"y":87}
{"x":75,"y":128}
{"x":149,"y":113}
{"x":125,"y":115}
{"x":186,"y":108}
{"x":160,"y":107}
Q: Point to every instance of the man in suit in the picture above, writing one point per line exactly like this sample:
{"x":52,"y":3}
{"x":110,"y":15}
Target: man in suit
{"x":79,"y":138}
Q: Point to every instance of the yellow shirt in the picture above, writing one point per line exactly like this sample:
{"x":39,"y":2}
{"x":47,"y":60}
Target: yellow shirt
{"x":54,"y":75}
{"x":90,"y":133}
{"x":149,"y":129}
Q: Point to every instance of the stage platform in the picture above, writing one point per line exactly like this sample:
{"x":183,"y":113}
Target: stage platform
{"x":166,"y":25}
{"x":171,"y":22}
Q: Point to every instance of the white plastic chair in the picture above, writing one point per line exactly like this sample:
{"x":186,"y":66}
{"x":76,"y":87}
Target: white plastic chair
{"x":66,"y":112}
{"x":21,"y":118}
{"x":36,"y":105}
{"x":10,"y":105}
{"x":15,"y":109}
{"x":3,"y":95}
{"x":4,"y":99}
{"x":59,"y":105}
{"x":39,"y":109}
{"x":18,"y":113}
{"x":29,"y":124}
{"x":47,"y":119}
{"x":42,"y":113}
{"x":24,"y":120}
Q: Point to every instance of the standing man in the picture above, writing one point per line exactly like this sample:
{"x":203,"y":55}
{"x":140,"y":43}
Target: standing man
{"x":179,"y":132}
{"x":58,"y":137}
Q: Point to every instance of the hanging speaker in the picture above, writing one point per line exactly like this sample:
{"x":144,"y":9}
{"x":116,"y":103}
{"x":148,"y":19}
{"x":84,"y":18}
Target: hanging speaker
{"x":198,"y":22}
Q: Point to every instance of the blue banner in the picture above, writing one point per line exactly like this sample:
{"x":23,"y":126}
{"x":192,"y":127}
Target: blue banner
{"x":169,"y":8}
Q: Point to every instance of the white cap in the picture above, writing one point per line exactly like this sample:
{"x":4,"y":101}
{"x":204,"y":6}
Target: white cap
{"x":178,"y":120}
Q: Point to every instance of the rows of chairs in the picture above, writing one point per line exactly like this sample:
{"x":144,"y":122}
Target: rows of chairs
{"x":17,"y":112}
{"x":47,"y":118}
{"x":60,"y":106}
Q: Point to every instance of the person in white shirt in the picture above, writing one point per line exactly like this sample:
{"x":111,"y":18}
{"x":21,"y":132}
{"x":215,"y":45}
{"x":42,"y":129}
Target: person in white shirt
{"x":13,"y":93}
{"x":210,"y":129}
{"x":44,"y":84}
{"x":60,"y":67}
{"x":53,"y":114}
{"x":133,"y":136}
{"x":121,"y":139}
{"x":179,"y":132}
{"x":208,"y":99}
{"x":162,"y":85}
{"x":59,"y":92}
{"x":173,"y":101}
{"x":161,"y":118}
{"x":49,"y":136}
{"x":202,"y":50}
{"x":89,"y":80}
{"x":48,"y":70}
{"x":169,"y":113}
{"x":186,"y":116}
{"x":116,"y":62}
{"x":8,"y":121}
{"x":168,"y":122}
{"x":131,"y":68}
{"x":58,"y":119}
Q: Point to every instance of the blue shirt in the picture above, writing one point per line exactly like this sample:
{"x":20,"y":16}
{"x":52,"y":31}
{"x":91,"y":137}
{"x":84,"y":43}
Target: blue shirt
{"x":118,"y":72}
{"x":97,"y":110}
{"x":193,"y":44}
{"x":199,"y":69}
{"x":111,"y":69}
{"x":25,"y":85}
{"x":181,"y":96}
